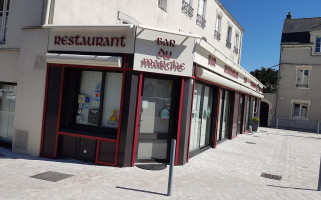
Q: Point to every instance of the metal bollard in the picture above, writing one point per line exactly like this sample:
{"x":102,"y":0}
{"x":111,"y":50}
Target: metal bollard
{"x":277,"y":123}
{"x":319,"y":184}
{"x":318,"y":128}
{"x":171,"y":168}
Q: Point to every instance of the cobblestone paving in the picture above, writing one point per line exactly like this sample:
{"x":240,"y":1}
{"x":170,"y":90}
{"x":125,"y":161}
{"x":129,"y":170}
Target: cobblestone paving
{"x":231,"y":171}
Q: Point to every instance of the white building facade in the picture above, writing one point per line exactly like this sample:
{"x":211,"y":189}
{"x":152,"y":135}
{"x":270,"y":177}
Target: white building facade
{"x":114,"y":81}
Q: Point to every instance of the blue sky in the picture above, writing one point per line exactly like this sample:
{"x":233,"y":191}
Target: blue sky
{"x":262,"y":21}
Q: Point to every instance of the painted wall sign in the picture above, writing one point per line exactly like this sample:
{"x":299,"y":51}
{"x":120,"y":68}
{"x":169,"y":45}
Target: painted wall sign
{"x":163,"y":53}
{"x":228,"y":70}
{"x":107,"y":40}
{"x":211,"y":60}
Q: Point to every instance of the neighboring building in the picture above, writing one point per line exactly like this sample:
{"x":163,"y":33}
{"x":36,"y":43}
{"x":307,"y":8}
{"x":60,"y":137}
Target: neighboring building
{"x":114,"y":81}
{"x":299,"y":88}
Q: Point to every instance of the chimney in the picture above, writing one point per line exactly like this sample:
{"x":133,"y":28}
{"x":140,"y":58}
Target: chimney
{"x":289,"y":16}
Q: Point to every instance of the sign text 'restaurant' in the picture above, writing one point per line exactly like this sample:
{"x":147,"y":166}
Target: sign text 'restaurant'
{"x":90,"y":41}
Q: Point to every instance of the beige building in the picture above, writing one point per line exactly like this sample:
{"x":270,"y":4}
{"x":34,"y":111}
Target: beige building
{"x":113,"y":81}
{"x":299,"y":89}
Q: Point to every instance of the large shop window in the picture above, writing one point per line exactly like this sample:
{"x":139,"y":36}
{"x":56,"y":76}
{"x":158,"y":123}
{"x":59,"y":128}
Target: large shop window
{"x":201,"y":117}
{"x":91,"y":101}
{"x":7,"y":111}
{"x":4,"y":13}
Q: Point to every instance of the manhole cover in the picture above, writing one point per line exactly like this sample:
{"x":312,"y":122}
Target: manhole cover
{"x":250,"y":142}
{"x":51,"y":176}
{"x":152,"y":166}
{"x":271,"y":176}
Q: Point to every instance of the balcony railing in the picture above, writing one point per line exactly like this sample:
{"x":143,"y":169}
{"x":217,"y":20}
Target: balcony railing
{"x":200,"y":21}
{"x":236,"y":50}
{"x":187,"y":9}
{"x":217,"y":35}
{"x":228,"y":44}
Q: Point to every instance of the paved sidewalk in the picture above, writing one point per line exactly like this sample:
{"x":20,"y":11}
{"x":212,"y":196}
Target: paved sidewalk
{"x":231,"y":171}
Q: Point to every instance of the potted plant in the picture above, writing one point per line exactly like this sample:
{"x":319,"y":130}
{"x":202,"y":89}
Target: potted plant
{"x":255,"y":121}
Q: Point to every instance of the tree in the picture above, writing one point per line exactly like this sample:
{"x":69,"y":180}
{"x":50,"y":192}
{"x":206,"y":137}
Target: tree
{"x":268,"y":77}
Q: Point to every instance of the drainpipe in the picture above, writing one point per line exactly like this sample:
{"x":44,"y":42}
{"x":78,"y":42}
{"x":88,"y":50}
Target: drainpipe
{"x":47,"y":12}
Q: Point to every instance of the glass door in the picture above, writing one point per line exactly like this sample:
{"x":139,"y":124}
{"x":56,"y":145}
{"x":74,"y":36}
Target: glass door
{"x":225,"y":117}
{"x":241,"y":114}
{"x":154,"y":135}
{"x":7,"y":111}
{"x":201,"y":117}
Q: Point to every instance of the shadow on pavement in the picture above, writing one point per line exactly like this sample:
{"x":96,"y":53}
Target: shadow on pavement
{"x":6,"y":153}
{"x":138,"y":190}
{"x":292,"y":188}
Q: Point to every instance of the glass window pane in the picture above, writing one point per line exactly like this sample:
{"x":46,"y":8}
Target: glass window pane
{"x":112,"y":98}
{"x":7,"y":111}
{"x":304,"y":111}
{"x":206,"y":116}
{"x":196,"y":117}
{"x":296,"y":110}
{"x":318,"y":40}
{"x":299,"y":78}
{"x":8,"y":4}
{"x":1,"y":5}
{"x":156,"y":105}
{"x":306,"y":78}
{"x":89,"y":98}
{"x":201,"y":8}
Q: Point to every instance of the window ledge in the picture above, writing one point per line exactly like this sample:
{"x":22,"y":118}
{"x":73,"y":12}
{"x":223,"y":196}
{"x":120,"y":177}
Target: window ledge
{"x":300,"y":118}
{"x":302,"y":88}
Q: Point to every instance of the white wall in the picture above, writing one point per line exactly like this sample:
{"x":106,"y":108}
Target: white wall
{"x":31,"y":92}
{"x":148,"y":13}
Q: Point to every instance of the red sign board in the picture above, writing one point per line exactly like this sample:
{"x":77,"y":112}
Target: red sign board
{"x":211,"y":60}
{"x":228,"y":70}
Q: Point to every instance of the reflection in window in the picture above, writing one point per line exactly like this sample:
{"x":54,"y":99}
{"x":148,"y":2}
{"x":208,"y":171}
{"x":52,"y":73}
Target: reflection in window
{"x":7,"y":111}
{"x":302,"y":78}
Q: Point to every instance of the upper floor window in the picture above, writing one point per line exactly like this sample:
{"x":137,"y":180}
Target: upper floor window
{"x":229,"y":37}
{"x":302,"y":78}
{"x":217,"y":32}
{"x":200,"y":20}
{"x":187,"y":8}
{"x":318,"y":45}
{"x":4,"y":13}
{"x":236,"y":44}
{"x":162,"y":4}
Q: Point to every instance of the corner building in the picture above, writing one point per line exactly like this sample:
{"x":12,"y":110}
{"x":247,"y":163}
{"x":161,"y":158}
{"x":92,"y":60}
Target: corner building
{"x":113,"y":83}
{"x":298,"y":97}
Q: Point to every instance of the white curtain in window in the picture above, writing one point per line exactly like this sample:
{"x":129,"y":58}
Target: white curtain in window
{"x":218,"y":24}
{"x":201,"y":8}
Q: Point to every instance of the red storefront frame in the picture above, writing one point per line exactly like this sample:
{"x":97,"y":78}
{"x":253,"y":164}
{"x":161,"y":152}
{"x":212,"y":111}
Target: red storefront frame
{"x":98,"y":139}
